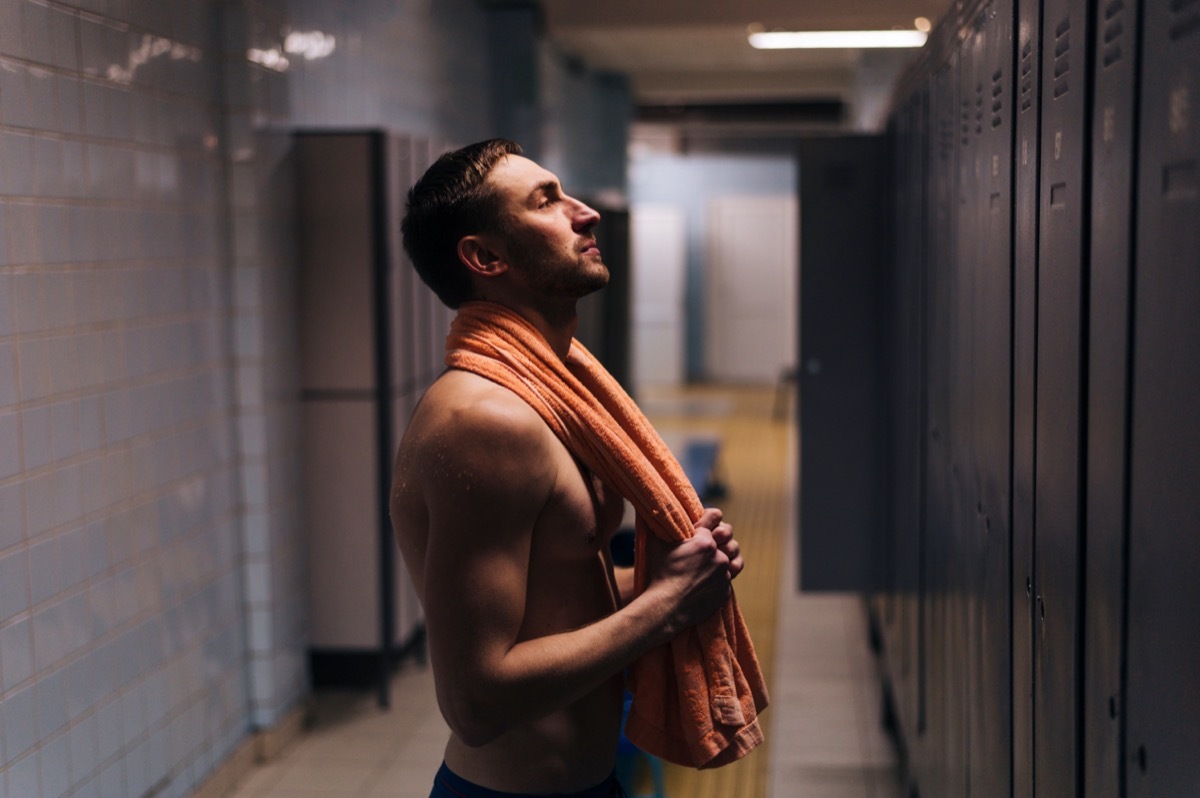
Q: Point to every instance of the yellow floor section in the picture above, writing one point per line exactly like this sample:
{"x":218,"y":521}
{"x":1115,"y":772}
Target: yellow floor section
{"x":752,"y":463}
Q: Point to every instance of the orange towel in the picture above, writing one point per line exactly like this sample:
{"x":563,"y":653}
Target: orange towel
{"x":696,"y":700}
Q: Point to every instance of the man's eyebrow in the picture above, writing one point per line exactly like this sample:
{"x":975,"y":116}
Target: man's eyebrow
{"x":545,"y":187}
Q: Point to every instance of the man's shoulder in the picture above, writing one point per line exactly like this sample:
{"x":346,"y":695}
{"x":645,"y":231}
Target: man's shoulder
{"x":465,"y":415}
{"x":464,"y":398}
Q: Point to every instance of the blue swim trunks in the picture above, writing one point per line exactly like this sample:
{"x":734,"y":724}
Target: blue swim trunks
{"x":448,"y":784}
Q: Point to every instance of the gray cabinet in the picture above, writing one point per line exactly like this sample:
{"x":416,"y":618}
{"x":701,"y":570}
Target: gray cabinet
{"x":372,"y":337}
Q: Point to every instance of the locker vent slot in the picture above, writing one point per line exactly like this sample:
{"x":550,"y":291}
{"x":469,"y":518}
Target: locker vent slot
{"x":1062,"y":58}
{"x":978,"y":109}
{"x":1027,"y":76}
{"x":1114,"y":26}
{"x":997,"y":102}
{"x":966,"y":122}
{"x":1185,"y":18}
{"x":946,"y":137}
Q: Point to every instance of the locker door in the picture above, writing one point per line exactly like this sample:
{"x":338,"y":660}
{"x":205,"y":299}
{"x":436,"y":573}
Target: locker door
{"x":841,"y":410}
{"x":988,"y":508}
{"x":936,"y":673}
{"x":1025,"y":254}
{"x":900,"y":613}
{"x":345,"y":195}
{"x":961,"y":560}
{"x":1058,"y":543}
{"x":1163,"y":734}
{"x":1112,"y":122}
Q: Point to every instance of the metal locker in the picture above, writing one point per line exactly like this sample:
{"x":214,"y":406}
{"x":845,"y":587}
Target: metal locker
{"x":960,"y":654}
{"x":903,"y":648}
{"x":1059,"y":409}
{"x":907,"y":381}
{"x":340,"y":349}
{"x":934,"y":709}
{"x":350,"y":187}
{"x":987,"y":501}
{"x":841,"y":412}
{"x":1026,"y":168}
{"x":882,"y":606}
{"x":1163,"y":697}
{"x":915,"y":602}
{"x":1115,"y":44}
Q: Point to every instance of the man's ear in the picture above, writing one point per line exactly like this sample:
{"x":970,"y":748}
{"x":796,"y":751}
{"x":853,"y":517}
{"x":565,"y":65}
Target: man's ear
{"x":481,"y":256}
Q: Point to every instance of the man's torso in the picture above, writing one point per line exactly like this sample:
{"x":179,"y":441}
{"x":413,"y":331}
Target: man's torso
{"x":569,"y":586}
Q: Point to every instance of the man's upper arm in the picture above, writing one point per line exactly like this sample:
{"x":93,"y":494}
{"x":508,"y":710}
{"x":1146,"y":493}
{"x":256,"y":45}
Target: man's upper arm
{"x":488,"y":474}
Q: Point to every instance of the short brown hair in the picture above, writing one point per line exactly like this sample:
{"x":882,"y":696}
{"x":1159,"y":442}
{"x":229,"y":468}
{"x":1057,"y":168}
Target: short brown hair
{"x":451,"y":200}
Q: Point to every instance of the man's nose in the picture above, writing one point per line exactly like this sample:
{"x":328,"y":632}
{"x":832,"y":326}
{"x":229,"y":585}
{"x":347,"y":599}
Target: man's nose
{"x":585,"y":217}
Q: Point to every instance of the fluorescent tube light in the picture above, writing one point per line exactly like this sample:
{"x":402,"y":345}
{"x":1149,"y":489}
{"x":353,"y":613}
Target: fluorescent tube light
{"x":847,"y":39}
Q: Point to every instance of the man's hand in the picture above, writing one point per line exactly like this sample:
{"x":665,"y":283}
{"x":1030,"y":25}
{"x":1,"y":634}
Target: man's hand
{"x":723,"y":535}
{"x":694,"y":575}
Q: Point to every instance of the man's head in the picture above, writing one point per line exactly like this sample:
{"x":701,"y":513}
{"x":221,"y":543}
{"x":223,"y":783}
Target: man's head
{"x":453,"y":199}
{"x":485,"y":212}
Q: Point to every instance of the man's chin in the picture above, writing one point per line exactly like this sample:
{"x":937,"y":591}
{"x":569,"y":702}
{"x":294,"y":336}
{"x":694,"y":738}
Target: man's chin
{"x":601,"y":279}
{"x":594,"y":276}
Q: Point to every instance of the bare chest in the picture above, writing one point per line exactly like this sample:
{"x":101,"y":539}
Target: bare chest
{"x":581,"y":515}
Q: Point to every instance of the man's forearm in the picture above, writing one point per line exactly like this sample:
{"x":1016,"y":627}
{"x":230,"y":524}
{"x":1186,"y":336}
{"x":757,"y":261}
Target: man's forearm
{"x":538,"y":676}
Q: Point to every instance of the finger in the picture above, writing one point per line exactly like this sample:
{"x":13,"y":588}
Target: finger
{"x":704,"y":539}
{"x":723,"y":533}
{"x":710,"y":518}
{"x":736,"y":566}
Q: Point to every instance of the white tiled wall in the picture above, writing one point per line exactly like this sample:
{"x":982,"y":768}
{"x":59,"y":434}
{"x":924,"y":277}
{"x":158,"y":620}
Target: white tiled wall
{"x":263,"y":346}
{"x":152,"y":603}
{"x":121,"y":653}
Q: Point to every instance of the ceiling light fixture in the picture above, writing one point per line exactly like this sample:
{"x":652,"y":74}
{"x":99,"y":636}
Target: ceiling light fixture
{"x":827,"y":39}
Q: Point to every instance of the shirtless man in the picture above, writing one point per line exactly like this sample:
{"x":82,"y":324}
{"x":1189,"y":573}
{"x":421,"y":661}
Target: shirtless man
{"x":503,"y":531}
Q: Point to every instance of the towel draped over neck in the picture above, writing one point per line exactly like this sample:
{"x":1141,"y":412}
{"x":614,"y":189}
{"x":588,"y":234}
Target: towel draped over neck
{"x":697,"y":699}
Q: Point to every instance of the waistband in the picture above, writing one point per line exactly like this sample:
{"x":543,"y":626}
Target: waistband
{"x":450,"y":784}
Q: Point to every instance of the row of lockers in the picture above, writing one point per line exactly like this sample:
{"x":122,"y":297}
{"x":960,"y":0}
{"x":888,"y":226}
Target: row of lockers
{"x":1040,"y":623}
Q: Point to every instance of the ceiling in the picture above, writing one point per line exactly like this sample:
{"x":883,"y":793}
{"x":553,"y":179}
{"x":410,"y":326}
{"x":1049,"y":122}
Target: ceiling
{"x":691,"y":67}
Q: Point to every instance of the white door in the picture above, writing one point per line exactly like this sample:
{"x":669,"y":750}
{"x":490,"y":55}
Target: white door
{"x":658,"y":251}
{"x":751,"y":301}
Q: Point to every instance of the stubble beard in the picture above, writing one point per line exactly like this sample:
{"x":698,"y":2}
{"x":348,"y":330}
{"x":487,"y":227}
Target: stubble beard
{"x":562,"y":277}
